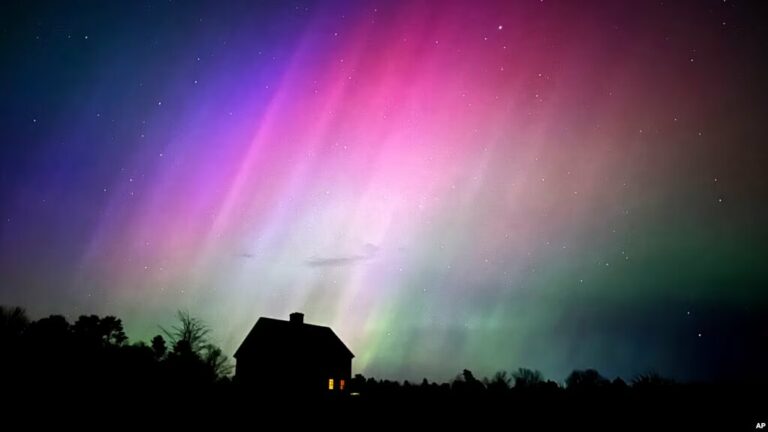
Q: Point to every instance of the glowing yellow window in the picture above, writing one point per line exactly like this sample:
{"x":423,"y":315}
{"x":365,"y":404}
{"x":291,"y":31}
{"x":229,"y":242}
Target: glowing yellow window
{"x":330,"y":384}
{"x":341,"y":384}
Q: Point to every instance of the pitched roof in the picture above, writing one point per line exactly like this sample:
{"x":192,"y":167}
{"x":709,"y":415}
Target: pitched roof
{"x":269,"y":334}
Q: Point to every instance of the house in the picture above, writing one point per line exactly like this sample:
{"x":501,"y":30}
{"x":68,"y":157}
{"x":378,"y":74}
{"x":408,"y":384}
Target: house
{"x":293,"y":357}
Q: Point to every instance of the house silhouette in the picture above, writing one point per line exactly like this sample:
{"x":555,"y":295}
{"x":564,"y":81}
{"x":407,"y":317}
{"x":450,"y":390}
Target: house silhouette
{"x":292,"y":357}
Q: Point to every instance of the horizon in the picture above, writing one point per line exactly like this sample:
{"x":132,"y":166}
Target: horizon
{"x":481,"y":185}
{"x":414,"y":380}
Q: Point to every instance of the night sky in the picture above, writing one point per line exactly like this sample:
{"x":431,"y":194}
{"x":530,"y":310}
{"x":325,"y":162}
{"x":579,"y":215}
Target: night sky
{"x":480,"y":184}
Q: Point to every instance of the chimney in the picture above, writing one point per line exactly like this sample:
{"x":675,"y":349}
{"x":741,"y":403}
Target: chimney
{"x":297,"y":318}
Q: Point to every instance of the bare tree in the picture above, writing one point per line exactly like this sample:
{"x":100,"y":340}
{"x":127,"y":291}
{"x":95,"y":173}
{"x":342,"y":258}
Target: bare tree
{"x":189,"y":338}
{"x":527,"y":378}
{"x":191,"y":334}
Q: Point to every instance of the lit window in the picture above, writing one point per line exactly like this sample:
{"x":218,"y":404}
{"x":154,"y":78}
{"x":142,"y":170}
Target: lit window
{"x":330,"y":384}
{"x":341,"y":384}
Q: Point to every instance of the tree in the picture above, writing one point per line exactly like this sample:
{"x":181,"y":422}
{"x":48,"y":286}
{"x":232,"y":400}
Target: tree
{"x":13,"y":322}
{"x":52,"y":333}
{"x":217,"y":361}
{"x":500,"y":382}
{"x":469,"y":377}
{"x":13,"y":325}
{"x":49,"y":354}
{"x":586,"y":380}
{"x":112,"y":330}
{"x":96,"y":331}
{"x":466,"y":382}
{"x":651,"y":380}
{"x":527,"y":378}
{"x":191,"y":334}
{"x":192,"y":354}
{"x":159,"y":349}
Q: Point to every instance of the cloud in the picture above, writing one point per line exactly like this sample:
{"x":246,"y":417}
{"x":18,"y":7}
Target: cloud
{"x":369,"y":251}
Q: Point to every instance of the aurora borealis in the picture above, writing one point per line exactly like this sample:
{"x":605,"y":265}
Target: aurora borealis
{"x":485,"y":184}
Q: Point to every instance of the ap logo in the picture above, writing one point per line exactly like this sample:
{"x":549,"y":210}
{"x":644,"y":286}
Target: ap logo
{"x":760,"y":425}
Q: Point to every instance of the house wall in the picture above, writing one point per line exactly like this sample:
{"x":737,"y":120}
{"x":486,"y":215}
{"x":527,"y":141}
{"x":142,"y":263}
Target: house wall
{"x":291,"y":374}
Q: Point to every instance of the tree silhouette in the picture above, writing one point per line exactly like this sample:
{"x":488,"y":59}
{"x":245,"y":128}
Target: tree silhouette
{"x":466,"y":382}
{"x":500,"y":382}
{"x":94,"y":359}
{"x":192,"y":355}
{"x":217,"y":361}
{"x":651,"y":380}
{"x":51,"y":333}
{"x":13,"y":322}
{"x":159,"y":349}
{"x":13,"y":325}
{"x":191,"y":334}
{"x":527,"y":378}
{"x":99,"y":331}
{"x":588,"y":379}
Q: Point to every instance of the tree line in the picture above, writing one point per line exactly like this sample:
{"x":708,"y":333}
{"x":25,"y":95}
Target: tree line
{"x":94,"y":352}
{"x":90,"y":366}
